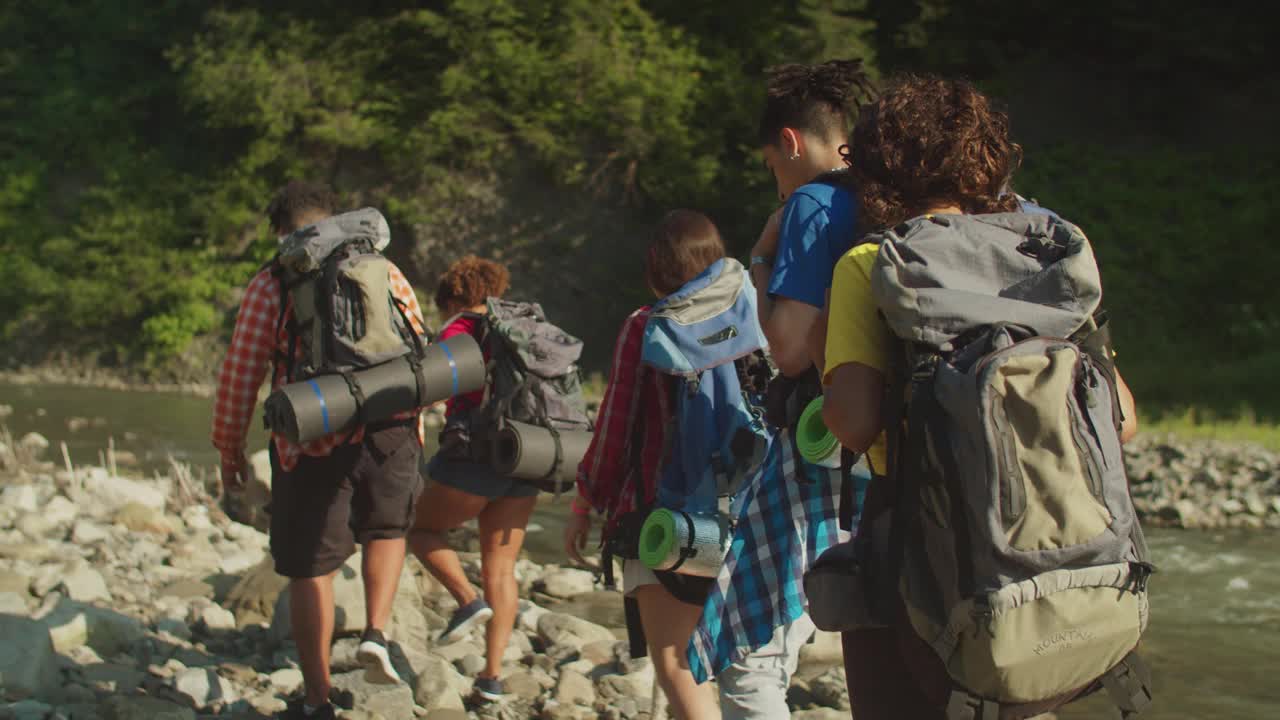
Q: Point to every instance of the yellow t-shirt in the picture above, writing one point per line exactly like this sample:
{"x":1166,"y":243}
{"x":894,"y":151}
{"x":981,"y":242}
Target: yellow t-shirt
{"x":855,"y":331}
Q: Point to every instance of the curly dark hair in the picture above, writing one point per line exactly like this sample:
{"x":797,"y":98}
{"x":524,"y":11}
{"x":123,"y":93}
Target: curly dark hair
{"x":295,"y":200}
{"x":684,"y":244}
{"x":469,"y":281}
{"x":929,"y":142}
{"x":822,"y":99}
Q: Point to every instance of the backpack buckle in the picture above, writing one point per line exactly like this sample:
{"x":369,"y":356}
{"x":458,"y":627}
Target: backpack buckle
{"x":967,"y":706}
{"x":1129,"y":685}
{"x":1139,"y":574}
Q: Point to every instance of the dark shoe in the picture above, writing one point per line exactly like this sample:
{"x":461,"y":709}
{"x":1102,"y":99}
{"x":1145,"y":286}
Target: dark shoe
{"x":373,"y":656}
{"x":464,"y":618}
{"x":490,"y":689}
{"x":342,"y":699}
{"x":294,"y":711}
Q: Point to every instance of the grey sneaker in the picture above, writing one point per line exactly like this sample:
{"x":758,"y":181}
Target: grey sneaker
{"x":464,"y":618}
{"x":373,"y":656}
{"x":490,"y":689}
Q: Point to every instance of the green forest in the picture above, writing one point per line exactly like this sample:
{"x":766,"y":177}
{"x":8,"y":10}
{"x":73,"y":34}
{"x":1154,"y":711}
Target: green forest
{"x":140,"y":141}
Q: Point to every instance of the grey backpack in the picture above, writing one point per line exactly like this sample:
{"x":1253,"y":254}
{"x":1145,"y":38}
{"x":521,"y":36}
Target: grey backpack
{"x":345,"y":317}
{"x":533,"y":378}
{"x":1008,"y":545}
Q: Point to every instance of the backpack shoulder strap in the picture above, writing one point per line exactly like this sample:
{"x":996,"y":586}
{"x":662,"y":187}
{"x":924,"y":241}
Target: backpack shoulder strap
{"x":278,"y":272}
{"x":840,"y":177}
{"x":1094,"y":340}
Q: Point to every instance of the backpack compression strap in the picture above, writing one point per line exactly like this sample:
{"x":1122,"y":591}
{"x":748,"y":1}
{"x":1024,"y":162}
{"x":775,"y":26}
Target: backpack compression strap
{"x":1128,"y":684}
{"x":557,"y":462}
{"x":277,"y":270}
{"x":415,"y":358}
{"x":358,"y":394}
{"x":849,"y":506}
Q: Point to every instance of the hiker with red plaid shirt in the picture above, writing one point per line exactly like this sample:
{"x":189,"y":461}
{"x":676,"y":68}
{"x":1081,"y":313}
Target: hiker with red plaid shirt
{"x":327,"y":494}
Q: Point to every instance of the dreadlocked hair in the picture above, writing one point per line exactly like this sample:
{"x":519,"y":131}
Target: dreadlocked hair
{"x":296,"y":199}
{"x":928,"y":142}
{"x":822,"y":99}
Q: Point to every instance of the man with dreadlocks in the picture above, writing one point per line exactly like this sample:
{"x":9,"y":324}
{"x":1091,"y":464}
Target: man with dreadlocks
{"x":754,"y":621}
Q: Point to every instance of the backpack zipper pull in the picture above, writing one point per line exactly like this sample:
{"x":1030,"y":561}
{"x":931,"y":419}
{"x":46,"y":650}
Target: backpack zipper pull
{"x":1140,"y":573}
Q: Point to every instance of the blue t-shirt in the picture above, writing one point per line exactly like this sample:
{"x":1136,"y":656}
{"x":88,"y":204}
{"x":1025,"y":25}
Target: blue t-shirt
{"x":1031,"y":207}
{"x":818,"y":226}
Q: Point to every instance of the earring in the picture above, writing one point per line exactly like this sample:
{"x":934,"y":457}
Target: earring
{"x":795,"y":155}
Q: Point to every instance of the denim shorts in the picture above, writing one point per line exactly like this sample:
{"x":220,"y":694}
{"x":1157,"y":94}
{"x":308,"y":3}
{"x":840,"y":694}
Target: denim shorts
{"x":476,"y":479}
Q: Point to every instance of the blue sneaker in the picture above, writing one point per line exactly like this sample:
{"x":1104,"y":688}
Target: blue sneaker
{"x":464,"y":618}
{"x":490,"y":689}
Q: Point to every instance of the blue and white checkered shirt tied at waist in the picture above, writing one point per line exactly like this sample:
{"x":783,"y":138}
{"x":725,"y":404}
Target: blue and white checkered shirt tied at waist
{"x":784,"y":524}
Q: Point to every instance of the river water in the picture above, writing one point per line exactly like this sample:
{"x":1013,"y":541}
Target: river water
{"x":1214,"y":639}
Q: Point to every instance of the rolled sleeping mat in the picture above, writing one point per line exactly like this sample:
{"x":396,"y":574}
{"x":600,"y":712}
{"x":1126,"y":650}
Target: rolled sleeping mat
{"x":816,"y":443}
{"x":686,"y":543}
{"x":310,"y":409}
{"x":545,"y":459}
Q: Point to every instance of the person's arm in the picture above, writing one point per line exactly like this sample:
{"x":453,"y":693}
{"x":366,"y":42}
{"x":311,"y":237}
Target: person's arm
{"x":789,"y":288}
{"x":1128,"y":408}
{"x":604,"y":462}
{"x":851,"y":405}
{"x":856,"y":355}
{"x":243,"y":370}
{"x":577,"y":530}
{"x":761,"y":267}
{"x":816,"y":343}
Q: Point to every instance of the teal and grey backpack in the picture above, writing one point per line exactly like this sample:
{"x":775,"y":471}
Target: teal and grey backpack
{"x":707,"y":337}
{"x":1004,"y":538}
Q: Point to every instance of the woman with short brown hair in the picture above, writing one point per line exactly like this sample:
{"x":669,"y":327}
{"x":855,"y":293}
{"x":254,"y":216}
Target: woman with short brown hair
{"x":628,"y":449}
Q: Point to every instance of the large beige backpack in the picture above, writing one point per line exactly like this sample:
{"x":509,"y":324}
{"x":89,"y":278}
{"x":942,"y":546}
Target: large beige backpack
{"x":1008,"y":545}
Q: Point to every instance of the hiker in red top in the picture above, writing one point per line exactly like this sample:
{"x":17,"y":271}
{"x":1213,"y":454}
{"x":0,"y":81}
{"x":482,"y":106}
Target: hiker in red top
{"x":328,"y":494}
{"x":464,"y":486}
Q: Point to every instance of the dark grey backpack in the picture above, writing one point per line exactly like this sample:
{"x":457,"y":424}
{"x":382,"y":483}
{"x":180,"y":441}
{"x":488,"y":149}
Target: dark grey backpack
{"x":345,"y":317}
{"x":533,"y":379}
{"x":1008,"y":544}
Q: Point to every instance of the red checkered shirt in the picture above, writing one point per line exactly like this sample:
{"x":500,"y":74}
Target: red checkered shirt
{"x":635,"y":394}
{"x":259,"y":335}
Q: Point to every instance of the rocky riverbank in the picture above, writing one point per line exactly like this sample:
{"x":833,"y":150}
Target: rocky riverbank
{"x":1203,"y":484}
{"x":98,"y":377}
{"x":124,"y":598}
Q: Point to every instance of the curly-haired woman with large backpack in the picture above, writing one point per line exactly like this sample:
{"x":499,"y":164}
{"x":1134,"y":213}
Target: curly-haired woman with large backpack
{"x":463,"y":489}
{"x":967,"y":356}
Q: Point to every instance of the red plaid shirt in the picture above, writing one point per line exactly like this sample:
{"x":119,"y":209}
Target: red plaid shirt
{"x":258,"y":337}
{"x":635,"y":394}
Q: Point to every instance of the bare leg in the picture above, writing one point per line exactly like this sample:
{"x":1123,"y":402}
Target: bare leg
{"x":502,"y":530}
{"x":382,"y":561}
{"x":442,"y":508}
{"x":311,"y":614}
{"x":668,"y":625}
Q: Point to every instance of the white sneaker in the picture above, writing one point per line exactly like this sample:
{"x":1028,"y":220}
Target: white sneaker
{"x":373,"y":656}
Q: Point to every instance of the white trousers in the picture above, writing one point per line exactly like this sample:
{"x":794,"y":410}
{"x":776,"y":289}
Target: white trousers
{"x":756,"y":687}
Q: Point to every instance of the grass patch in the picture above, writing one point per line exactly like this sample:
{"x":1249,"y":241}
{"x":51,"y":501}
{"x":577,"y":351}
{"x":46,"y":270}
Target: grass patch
{"x":1193,"y":423}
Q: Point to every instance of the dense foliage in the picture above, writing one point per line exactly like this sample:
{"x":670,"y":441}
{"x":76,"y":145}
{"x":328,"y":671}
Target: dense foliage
{"x":140,"y":140}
